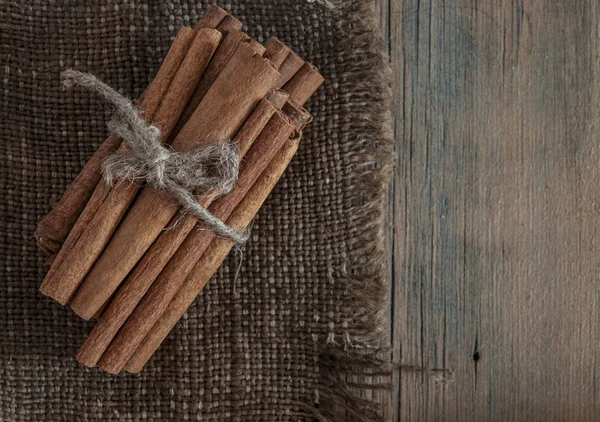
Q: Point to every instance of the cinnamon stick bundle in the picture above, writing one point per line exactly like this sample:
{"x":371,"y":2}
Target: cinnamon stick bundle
{"x":145,"y":272}
{"x":107,"y":206}
{"x":158,"y":255}
{"x":243,"y":82}
{"x":53,"y":229}
{"x":154,"y":260}
{"x":210,"y":261}
{"x":150,"y":266}
{"x":214,"y":84}
{"x":276,"y":132}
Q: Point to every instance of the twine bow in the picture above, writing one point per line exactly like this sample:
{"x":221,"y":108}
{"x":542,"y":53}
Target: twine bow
{"x":212,"y":168}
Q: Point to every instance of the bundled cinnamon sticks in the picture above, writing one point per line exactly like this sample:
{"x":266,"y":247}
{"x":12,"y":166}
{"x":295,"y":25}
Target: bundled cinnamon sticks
{"x":128,"y":254}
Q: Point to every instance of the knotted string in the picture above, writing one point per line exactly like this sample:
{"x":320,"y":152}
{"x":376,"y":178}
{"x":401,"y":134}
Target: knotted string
{"x":212,"y":168}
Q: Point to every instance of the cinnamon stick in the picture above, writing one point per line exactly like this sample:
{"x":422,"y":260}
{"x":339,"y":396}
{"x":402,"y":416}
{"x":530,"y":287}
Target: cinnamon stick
{"x":222,"y":56}
{"x":213,"y":16}
{"x":107,"y":206}
{"x":154,"y":260}
{"x":257,"y":47}
{"x":297,"y":114}
{"x":278,"y":97}
{"x":54,"y":228}
{"x":290,"y":66}
{"x":235,"y":93}
{"x":139,"y":323}
{"x":212,"y":259}
{"x":304,"y":83}
{"x":204,"y":46}
{"x":276,"y":51}
{"x":229,"y":23}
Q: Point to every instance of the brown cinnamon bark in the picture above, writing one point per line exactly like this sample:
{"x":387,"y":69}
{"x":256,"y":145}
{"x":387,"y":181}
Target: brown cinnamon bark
{"x":107,"y":206}
{"x":54,"y":228}
{"x":306,"y":81}
{"x":213,"y":16}
{"x":278,"y":97}
{"x":93,"y":205}
{"x":276,"y":51}
{"x":222,"y":56}
{"x":139,"y":323}
{"x":154,"y":260}
{"x":229,"y":23}
{"x":298,"y":114}
{"x":257,"y":47}
{"x":100,"y":311}
{"x":244,"y":81}
{"x":212,"y":259}
{"x":290,"y":66}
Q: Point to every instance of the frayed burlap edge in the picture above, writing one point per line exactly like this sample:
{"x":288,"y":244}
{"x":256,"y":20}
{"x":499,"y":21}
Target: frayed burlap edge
{"x":356,"y":361}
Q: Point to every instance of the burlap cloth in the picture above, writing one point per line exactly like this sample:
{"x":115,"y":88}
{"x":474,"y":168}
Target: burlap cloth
{"x":282,"y":343}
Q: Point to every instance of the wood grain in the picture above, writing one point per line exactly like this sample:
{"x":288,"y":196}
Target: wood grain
{"x":496,"y":208}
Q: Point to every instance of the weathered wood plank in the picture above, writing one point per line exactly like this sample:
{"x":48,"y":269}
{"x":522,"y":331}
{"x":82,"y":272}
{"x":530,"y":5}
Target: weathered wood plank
{"x":497,"y":208}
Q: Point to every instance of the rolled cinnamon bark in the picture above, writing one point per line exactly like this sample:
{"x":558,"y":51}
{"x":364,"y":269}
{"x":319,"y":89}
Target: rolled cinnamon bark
{"x":139,"y":323}
{"x":213,"y":16}
{"x":297,"y":114}
{"x":276,"y":51}
{"x":290,"y":66}
{"x":53,"y":229}
{"x":245,"y":80}
{"x":257,"y":47}
{"x":278,"y":97}
{"x":154,"y":260}
{"x":229,"y":23}
{"x":212,"y":259}
{"x":203,"y":48}
{"x":100,"y":311}
{"x":218,"y":62}
{"x":107,"y":206}
{"x":304,"y":83}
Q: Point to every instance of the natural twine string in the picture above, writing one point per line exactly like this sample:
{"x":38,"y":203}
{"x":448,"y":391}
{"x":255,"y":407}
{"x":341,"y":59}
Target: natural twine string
{"x":211,"y":169}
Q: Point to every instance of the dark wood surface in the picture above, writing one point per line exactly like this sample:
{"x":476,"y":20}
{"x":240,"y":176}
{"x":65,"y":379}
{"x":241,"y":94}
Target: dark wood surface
{"x":496,"y":208}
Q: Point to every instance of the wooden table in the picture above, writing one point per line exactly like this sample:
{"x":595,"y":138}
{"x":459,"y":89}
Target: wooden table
{"x":496,"y":207}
